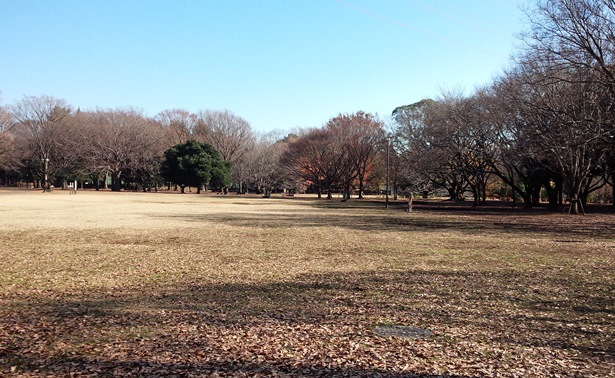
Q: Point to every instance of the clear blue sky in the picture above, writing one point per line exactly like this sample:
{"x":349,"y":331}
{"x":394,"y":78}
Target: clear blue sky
{"x":280,"y":64}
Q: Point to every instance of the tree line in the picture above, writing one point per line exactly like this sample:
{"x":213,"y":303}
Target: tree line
{"x":546,"y":124}
{"x":543,"y":128}
{"x":46,"y":142}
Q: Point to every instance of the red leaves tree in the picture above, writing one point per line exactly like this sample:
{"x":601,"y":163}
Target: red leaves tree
{"x":313,"y":157}
{"x":342,"y":153}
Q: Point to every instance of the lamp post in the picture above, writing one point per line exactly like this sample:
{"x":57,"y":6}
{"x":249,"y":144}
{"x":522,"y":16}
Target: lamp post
{"x":387,"y":186}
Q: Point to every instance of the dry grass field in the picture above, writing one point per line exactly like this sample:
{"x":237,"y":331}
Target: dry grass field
{"x":144,"y":284}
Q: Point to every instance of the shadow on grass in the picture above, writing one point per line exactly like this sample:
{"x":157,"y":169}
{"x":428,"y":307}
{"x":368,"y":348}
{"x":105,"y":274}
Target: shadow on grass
{"x":230,"y":368}
{"x":373,"y":219}
{"x":133,"y":329}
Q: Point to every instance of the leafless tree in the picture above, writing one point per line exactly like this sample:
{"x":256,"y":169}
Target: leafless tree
{"x":6,"y":140}
{"x":459,"y":125}
{"x":7,"y":149}
{"x":426,"y":148}
{"x":359,"y":138}
{"x":263,"y":163}
{"x":179,"y":123}
{"x":82,"y":127}
{"x":229,"y":134}
{"x":575,"y":39}
{"x":519,"y":161}
{"x":40,"y":125}
{"x":118,"y":142}
{"x":6,"y":120}
{"x":574,"y":33}
{"x":145,"y":165}
{"x":566,"y":117}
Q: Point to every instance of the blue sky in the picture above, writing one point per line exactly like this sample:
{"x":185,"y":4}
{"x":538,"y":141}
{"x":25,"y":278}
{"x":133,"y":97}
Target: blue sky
{"x":280,"y":64}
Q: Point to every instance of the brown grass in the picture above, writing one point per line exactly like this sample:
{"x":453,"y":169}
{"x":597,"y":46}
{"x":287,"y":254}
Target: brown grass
{"x":160,"y":284}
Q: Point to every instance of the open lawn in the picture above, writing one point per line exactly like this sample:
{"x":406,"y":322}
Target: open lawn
{"x":144,"y":284}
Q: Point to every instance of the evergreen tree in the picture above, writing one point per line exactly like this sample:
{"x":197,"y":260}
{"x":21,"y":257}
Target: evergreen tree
{"x":195,"y":164}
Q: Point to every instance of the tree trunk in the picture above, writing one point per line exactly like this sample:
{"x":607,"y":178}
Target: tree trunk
{"x":346,"y":192}
{"x":535,"y":195}
{"x":476,"y":194}
{"x":583,"y":199}
{"x":116,"y":181}
{"x":454,"y":193}
{"x":553,"y":194}
{"x":360,"y":187}
{"x":574,"y":206}
{"x":527,"y":200}
{"x":451,"y":194}
{"x":394,"y":190}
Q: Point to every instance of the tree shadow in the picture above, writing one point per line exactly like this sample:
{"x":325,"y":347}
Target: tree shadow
{"x":372,"y":219}
{"x":101,"y":367}
{"x":180,"y":319}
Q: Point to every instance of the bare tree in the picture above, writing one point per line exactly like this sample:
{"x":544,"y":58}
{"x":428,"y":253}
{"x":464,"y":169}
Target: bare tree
{"x":566,"y":117}
{"x":463,"y":126}
{"x":574,"y":33}
{"x":6,"y":120}
{"x":6,"y":123}
{"x":359,"y":138}
{"x":577,"y":36}
{"x":9,"y":157}
{"x":229,"y":134}
{"x":519,"y":161}
{"x":145,"y":165}
{"x":263,"y":163}
{"x":83,"y":126}
{"x":179,"y":123}
{"x":40,"y":125}
{"x":426,"y":148}
{"x":118,"y":142}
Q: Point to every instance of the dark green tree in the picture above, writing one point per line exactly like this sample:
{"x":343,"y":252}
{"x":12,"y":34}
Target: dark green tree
{"x":195,"y":164}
